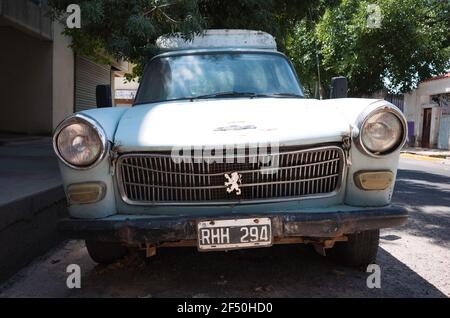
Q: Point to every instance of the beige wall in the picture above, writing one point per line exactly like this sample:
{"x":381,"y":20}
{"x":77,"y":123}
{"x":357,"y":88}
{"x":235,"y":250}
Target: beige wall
{"x":25,"y":83}
{"x":63,"y":76}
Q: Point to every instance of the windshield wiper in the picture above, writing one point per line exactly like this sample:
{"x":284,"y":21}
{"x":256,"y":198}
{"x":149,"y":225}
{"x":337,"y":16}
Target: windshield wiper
{"x":280,"y":95}
{"x":245,"y":94}
{"x":226,"y":94}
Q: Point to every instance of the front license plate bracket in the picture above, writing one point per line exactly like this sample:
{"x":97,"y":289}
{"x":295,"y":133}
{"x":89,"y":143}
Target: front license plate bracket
{"x":234,"y":234}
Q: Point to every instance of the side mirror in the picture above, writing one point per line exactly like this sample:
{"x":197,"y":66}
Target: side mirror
{"x":103,"y":96}
{"x":338,"y":87}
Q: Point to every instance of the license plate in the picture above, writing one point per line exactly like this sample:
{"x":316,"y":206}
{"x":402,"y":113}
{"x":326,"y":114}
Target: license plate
{"x":234,"y":234}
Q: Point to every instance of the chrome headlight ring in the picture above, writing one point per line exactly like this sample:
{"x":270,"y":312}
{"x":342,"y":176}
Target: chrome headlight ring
{"x":91,"y":123}
{"x":367,"y":114}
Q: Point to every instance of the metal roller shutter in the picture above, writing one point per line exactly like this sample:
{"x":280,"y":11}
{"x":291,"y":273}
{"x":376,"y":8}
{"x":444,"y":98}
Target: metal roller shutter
{"x":88,"y":75}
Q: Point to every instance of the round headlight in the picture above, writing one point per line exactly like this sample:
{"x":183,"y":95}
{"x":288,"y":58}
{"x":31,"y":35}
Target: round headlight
{"x":79,"y":143}
{"x":382,"y":132}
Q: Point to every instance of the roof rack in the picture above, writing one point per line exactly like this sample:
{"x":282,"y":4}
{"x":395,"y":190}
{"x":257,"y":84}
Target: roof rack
{"x":219,"y":39}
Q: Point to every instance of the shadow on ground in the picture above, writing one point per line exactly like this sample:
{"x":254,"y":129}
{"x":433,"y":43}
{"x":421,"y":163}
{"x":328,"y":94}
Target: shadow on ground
{"x":431,"y":220}
{"x":280,"y":271}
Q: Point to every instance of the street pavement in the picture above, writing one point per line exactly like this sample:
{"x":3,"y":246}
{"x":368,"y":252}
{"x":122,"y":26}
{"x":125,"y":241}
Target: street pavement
{"x":414,"y":260}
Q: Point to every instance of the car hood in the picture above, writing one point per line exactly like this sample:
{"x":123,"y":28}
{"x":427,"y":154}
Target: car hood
{"x":162,"y":126}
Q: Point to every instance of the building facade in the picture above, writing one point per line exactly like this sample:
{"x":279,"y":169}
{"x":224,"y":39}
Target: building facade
{"x":43,"y":80}
{"x":427,"y":110}
{"x":125,"y":91}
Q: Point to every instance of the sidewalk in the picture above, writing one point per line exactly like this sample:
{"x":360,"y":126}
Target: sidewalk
{"x":32,"y":200}
{"x":439,"y":155}
{"x":436,"y":153}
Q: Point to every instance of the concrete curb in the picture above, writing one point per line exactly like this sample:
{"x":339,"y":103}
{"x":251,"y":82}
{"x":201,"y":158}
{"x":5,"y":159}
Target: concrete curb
{"x":409,"y":155}
{"x":418,"y":156}
{"x":28,"y":228}
{"x":433,"y":153}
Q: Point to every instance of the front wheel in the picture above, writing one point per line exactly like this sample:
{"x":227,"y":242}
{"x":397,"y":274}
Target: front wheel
{"x":359,"y":251}
{"x":105,"y":252}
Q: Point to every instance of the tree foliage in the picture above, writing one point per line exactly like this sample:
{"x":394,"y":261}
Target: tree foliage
{"x":411,"y":44}
{"x":128,"y":29}
{"x":117,"y":29}
{"x":277,"y":17}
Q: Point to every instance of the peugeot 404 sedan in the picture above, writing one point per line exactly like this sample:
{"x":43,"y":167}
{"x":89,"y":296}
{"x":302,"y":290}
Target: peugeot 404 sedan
{"x":221,"y":150}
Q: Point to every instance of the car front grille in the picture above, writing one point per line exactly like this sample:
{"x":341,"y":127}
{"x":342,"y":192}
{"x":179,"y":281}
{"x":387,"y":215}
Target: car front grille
{"x":154,"y":178}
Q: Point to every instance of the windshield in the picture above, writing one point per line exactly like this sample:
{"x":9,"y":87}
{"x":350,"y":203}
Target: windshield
{"x":214,"y":75}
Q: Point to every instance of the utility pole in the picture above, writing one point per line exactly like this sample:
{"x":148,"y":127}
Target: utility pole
{"x":318,"y":75}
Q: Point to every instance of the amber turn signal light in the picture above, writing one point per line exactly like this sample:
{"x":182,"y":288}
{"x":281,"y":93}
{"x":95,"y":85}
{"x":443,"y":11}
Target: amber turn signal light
{"x":373,"y":180}
{"x":83,"y":193}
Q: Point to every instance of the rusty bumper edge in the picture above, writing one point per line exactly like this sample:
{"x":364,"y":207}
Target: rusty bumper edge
{"x":170,"y":229}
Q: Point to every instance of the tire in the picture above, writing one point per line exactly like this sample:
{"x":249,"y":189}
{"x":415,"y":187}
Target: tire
{"x":359,"y":251}
{"x":105,"y":252}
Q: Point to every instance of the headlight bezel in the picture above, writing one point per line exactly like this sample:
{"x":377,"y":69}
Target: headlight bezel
{"x":86,"y":120}
{"x":367,"y":114}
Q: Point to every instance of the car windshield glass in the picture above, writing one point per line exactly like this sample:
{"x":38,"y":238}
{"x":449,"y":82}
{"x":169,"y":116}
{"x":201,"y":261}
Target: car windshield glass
{"x":218,"y":75}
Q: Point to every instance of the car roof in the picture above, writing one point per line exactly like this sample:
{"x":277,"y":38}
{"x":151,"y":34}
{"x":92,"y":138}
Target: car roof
{"x":217,"y":51}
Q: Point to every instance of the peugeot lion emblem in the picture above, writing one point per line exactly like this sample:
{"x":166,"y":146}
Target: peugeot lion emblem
{"x":233,"y":182}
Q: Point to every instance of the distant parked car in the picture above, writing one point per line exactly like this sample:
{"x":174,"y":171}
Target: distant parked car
{"x":221,"y":150}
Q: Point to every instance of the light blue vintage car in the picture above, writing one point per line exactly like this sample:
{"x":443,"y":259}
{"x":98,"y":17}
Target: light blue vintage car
{"x":222,"y":151}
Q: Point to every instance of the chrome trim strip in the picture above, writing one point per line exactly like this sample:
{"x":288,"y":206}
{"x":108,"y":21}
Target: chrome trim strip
{"x":221,"y":173}
{"x":340,"y":174}
{"x":367,"y":113}
{"x":77,"y":118}
{"x":223,"y":187}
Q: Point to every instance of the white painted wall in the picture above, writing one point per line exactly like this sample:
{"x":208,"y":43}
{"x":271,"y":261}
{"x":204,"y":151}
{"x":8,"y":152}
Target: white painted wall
{"x":124,"y":90}
{"x":418,"y":99}
{"x":121,"y":83}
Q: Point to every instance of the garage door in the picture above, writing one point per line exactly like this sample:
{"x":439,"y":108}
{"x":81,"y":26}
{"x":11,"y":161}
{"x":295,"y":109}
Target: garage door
{"x":87,"y":76}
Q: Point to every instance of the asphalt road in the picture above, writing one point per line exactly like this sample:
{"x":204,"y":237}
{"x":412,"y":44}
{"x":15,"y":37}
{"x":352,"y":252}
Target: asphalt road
{"x":414,"y":260}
